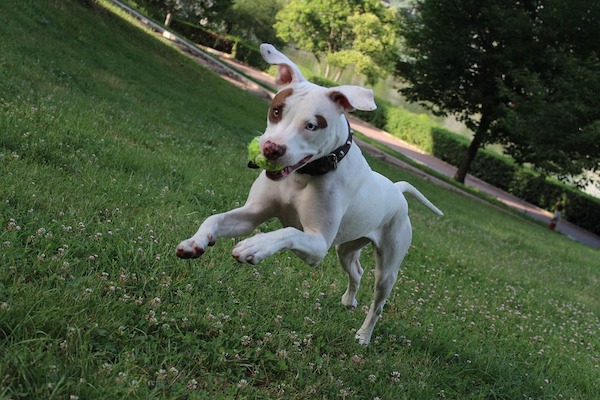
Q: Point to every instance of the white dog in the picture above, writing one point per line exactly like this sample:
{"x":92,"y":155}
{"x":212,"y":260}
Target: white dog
{"x":326,"y":195}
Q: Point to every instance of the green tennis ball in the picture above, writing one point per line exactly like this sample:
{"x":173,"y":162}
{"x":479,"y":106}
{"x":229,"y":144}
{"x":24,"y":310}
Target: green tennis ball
{"x":255,"y":156}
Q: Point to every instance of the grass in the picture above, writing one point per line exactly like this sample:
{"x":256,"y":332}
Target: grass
{"x":114,"y":147}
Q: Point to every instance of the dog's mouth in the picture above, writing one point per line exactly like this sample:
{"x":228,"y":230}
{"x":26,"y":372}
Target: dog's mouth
{"x":284,"y":173}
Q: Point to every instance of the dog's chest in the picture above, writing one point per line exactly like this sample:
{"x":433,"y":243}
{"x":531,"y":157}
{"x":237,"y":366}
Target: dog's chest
{"x":290,"y":218}
{"x":288,"y":211}
{"x":293,"y":202}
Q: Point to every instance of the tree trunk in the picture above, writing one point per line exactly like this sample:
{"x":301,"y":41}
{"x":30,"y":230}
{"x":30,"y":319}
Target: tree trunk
{"x":465,"y":165}
{"x":327,"y":69}
{"x":168,"y":19}
{"x":338,"y":75}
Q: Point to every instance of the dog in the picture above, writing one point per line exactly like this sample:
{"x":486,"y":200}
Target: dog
{"x":326,"y":195}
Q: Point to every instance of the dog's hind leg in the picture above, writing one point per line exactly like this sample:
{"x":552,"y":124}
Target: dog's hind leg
{"x":348,"y":254}
{"x":389,"y":254}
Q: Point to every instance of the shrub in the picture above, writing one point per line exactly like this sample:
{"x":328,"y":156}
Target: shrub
{"x":240,"y":50}
{"x":415,"y":129}
{"x":249,"y":54}
{"x":493,"y":168}
{"x":318,"y":80}
{"x":202,"y":36}
{"x":377,"y":117}
{"x":582,"y":210}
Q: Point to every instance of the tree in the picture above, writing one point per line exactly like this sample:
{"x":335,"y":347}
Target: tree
{"x":554,"y":122}
{"x":344,"y":32}
{"x":253,"y":20}
{"x":510,"y":70}
{"x":202,"y":10}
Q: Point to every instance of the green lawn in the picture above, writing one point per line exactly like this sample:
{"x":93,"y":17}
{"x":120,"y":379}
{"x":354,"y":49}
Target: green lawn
{"x":114,"y":147}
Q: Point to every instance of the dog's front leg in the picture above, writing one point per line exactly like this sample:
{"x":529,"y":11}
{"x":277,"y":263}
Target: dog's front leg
{"x":310,"y":247}
{"x":237,"y":222}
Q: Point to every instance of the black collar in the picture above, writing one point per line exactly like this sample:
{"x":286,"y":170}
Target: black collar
{"x":329,"y":162}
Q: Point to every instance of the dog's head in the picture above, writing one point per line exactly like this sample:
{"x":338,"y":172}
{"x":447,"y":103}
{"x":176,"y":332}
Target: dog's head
{"x":305,"y":121}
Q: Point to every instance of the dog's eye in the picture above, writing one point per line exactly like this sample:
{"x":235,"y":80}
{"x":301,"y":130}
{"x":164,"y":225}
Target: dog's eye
{"x":311,"y":127}
{"x":275,"y":113}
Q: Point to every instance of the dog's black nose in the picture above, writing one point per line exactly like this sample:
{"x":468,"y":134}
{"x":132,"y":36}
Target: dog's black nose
{"x":273,"y":151}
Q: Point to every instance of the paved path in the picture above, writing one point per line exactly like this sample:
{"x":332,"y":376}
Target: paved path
{"x":219,"y":63}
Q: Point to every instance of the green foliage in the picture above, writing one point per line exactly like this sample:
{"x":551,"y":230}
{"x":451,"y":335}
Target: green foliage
{"x":202,"y":36}
{"x":318,"y":80}
{"x":247,"y":20}
{"x":410,"y":127}
{"x":253,"y":20}
{"x":580,"y":208}
{"x":554,"y":113}
{"x":314,"y":26}
{"x":556,"y":125}
{"x":520,"y":74}
{"x":115,"y":146}
{"x":249,"y":54}
{"x":377,"y":117}
{"x":207,"y":11}
{"x":347,"y":33}
{"x":239,"y":49}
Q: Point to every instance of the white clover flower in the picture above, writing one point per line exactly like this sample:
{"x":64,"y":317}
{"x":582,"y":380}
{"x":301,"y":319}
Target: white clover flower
{"x":192,"y":384}
{"x":246,"y":341}
{"x":282,"y":354}
{"x":155,"y":302}
{"x":357,"y":359}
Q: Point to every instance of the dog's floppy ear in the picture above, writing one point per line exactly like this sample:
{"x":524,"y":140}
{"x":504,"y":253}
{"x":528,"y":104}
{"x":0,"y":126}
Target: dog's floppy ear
{"x":351,"y":98}
{"x":288,"y":72}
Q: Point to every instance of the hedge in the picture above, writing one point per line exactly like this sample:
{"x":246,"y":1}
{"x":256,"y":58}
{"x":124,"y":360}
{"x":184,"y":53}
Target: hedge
{"x":418,"y":129}
{"x":239,"y":49}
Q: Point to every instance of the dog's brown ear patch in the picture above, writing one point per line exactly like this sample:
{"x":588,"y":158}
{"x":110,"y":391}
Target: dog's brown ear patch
{"x":278,"y":104}
{"x":342,"y":100}
{"x":285,"y":75}
{"x":350,"y":98}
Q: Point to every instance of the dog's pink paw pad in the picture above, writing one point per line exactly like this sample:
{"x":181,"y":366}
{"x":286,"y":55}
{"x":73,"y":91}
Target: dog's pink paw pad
{"x":182,"y":252}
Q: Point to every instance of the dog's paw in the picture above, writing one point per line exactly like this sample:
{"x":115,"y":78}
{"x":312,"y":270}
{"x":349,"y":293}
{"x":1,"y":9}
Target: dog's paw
{"x":364,"y":338}
{"x":349,"y":301}
{"x":252,"y":250}
{"x":193,"y":248}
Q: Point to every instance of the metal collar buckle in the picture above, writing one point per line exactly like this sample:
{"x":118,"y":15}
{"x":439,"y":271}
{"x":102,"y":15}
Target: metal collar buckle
{"x":333,"y":159}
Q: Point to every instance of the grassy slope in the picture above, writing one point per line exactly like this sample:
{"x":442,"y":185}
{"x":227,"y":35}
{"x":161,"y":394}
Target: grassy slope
{"x":113,"y":148}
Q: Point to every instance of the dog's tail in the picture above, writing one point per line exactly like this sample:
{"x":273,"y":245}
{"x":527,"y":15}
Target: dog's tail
{"x":405,"y":187}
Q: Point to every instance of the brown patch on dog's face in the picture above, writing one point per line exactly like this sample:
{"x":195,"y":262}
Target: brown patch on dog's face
{"x":321,"y":121}
{"x":278,"y":104}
